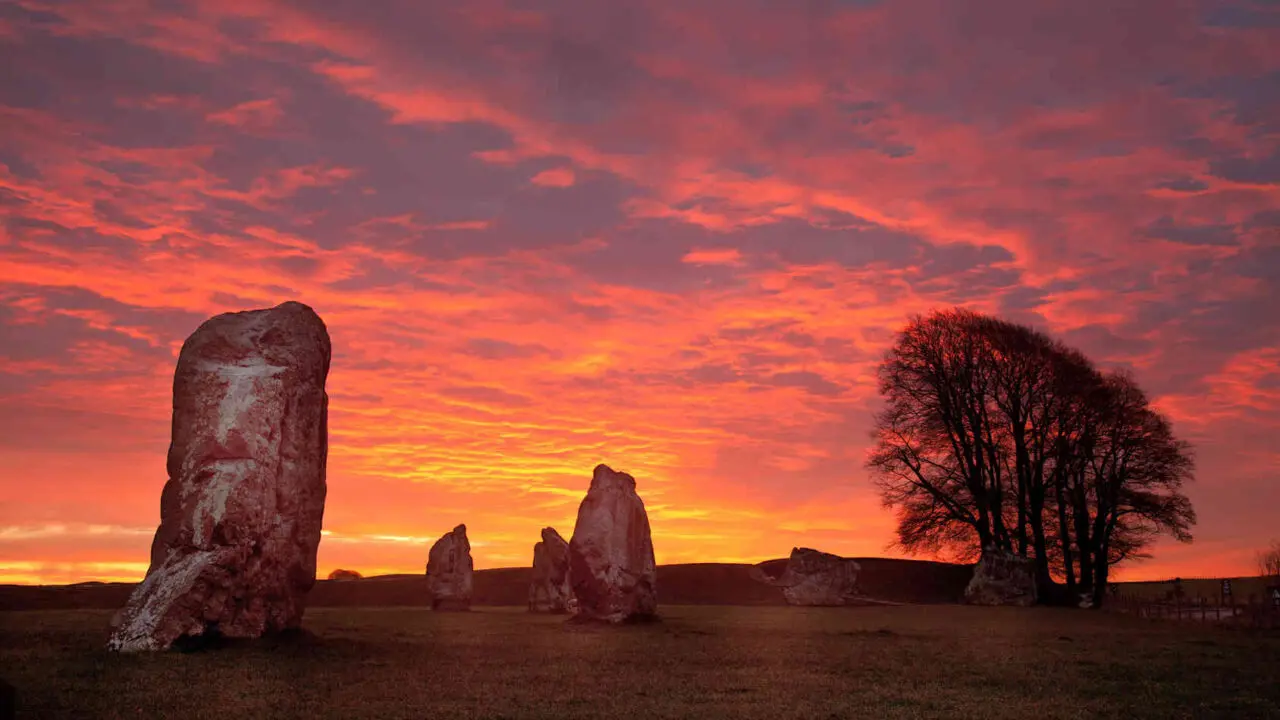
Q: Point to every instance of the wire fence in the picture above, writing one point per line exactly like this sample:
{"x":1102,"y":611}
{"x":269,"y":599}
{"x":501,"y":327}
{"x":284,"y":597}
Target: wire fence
{"x":1253,"y":613}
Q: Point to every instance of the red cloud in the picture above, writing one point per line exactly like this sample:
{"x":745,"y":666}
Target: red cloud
{"x":714,"y":256}
{"x":747,"y":204}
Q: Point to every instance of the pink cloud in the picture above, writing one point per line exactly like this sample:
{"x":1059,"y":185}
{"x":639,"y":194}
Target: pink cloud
{"x":252,"y":115}
{"x":554,"y":177}
{"x":747,"y":204}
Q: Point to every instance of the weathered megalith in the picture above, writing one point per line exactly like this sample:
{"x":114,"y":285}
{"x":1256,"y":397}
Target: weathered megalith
{"x":1002,"y":578}
{"x":549,"y":591}
{"x":240,"y":516}
{"x":449,"y":570}
{"x":817,"y":578}
{"x":611,"y":565}
{"x":342,"y":575}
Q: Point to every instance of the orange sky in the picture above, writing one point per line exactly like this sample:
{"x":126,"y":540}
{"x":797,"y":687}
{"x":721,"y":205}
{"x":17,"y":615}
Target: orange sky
{"x":672,"y":239}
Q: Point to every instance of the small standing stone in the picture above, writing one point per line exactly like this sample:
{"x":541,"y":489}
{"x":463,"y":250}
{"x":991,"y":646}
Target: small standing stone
{"x":1002,"y":578}
{"x":818,"y":578}
{"x":549,"y":590}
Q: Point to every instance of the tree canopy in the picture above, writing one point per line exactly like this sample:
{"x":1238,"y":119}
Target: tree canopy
{"x":995,"y":435}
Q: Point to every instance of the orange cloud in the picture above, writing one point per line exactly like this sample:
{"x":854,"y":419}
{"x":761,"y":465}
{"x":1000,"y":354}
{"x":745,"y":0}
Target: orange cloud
{"x":748,"y":203}
{"x":713,"y":256}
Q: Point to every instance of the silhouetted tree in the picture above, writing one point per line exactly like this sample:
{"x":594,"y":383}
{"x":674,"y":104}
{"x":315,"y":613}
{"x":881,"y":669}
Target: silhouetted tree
{"x":931,"y":458}
{"x":1269,"y":560}
{"x":996,"y":436}
{"x":1132,"y":490}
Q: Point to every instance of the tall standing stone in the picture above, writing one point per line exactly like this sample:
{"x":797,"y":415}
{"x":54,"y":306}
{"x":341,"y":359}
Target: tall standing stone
{"x":449,"y":570}
{"x":611,"y":565}
{"x":549,"y":591}
{"x":240,"y":515}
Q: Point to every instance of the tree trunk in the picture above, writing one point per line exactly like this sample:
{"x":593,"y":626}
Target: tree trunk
{"x":1064,"y":530}
{"x":1102,"y":569}
{"x":1044,"y":582}
{"x":984,"y":528}
{"x":1022,"y":471}
{"x":1080,"y":513}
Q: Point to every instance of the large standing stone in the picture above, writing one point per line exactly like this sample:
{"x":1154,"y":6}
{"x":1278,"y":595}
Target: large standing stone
{"x":549,"y":591}
{"x":240,"y":515}
{"x":449,"y":570}
{"x":611,"y":566}
{"x":817,"y":578}
{"x":1002,"y":578}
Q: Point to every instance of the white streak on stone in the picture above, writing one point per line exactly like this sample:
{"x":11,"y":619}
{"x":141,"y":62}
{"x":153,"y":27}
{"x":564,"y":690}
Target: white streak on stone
{"x":227,"y":474}
{"x":242,"y":386}
{"x":169,"y":582}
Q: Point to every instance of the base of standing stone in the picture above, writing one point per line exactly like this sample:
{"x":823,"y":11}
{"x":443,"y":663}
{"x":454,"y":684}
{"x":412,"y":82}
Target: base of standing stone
{"x":450,"y":605}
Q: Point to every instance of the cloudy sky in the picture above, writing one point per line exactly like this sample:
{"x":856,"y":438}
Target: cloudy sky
{"x":672,"y":237}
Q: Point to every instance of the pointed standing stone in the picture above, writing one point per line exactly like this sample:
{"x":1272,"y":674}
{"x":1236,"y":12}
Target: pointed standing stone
{"x":549,"y":590}
{"x":240,"y":515}
{"x":449,"y":570}
{"x":611,"y":565}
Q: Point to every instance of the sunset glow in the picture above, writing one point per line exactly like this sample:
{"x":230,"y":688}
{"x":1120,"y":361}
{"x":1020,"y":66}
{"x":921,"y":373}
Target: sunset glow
{"x":675,"y":238}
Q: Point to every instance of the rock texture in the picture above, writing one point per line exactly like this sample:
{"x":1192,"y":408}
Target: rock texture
{"x":1002,"y":578}
{"x":344,"y":575}
{"x":817,"y":578}
{"x":549,"y":590}
{"x":449,"y":570}
{"x":611,"y":566}
{"x":240,"y":515}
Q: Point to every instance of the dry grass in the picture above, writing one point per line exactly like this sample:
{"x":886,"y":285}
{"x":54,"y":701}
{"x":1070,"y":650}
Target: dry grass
{"x":699,"y":662}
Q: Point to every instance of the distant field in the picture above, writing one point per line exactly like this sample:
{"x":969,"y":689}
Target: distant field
{"x":1242,"y":589}
{"x":699,"y":662}
{"x":914,"y":581}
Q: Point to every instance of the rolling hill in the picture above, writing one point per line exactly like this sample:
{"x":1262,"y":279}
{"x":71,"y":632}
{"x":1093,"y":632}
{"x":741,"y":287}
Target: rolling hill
{"x":908,"y":581}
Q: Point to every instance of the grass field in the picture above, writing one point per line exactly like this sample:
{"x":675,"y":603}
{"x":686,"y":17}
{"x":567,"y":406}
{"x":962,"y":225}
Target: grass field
{"x":1243,"y":589}
{"x":699,"y":662}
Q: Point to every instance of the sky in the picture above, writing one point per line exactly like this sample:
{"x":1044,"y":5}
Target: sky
{"x":676,"y":238}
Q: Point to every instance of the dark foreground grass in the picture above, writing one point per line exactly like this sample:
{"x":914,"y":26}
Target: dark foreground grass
{"x":699,"y":662}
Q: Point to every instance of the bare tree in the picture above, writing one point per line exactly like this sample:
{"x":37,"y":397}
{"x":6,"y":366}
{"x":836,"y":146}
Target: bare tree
{"x":1137,"y":469}
{"x":1269,"y":561}
{"x":996,"y":436}
{"x":932,"y":458}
